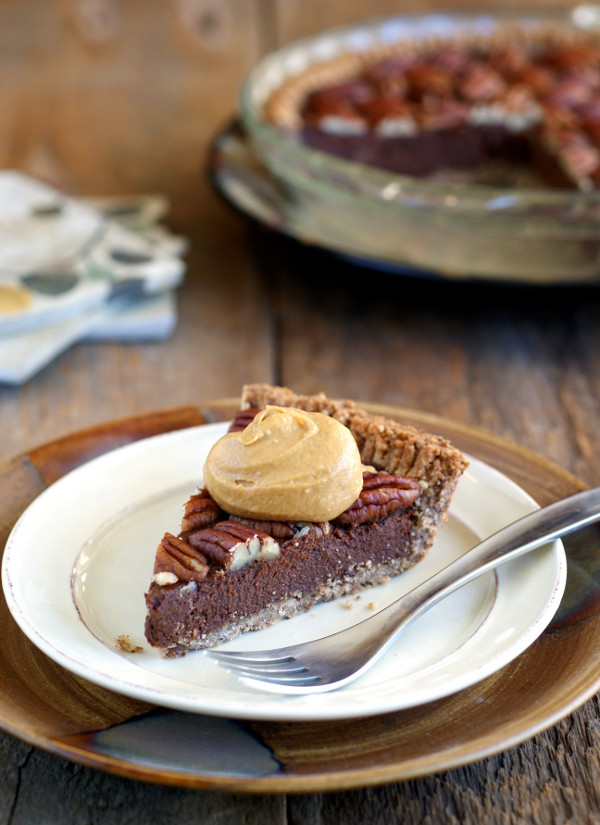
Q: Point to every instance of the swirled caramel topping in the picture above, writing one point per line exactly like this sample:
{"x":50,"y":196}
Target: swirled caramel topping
{"x":286,"y":465}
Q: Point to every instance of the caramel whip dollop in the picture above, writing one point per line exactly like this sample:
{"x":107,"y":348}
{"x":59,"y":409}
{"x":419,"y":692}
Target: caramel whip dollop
{"x":286,"y":465}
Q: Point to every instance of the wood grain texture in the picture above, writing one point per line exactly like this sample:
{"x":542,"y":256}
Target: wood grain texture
{"x":52,"y":460}
{"x":470,"y":352}
{"x":301,"y":18}
{"x":113,"y":97}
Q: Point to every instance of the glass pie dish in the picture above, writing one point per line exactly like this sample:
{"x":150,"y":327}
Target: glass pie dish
{"x":450,"y":225}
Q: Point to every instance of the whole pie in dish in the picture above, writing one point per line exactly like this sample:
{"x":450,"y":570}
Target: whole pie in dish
{"x":305,"y":499}
{"x":528,"y":97}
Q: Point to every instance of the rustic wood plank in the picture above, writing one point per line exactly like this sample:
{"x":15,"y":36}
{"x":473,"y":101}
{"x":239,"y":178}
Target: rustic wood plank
{"x":44,"y":789}
{"x":120,"y":98}
{"x":55,"y":458}
{"x":476,"y":353}
{"x":301,"y":18}
{"x":535,"y":784}
{"x":221,"y":310}
{"x":101,"y":89}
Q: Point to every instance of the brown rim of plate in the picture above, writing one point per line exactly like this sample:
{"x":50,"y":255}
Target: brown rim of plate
{"x":50,"y":708}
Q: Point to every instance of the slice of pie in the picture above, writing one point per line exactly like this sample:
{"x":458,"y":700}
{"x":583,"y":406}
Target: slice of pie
{"x":306,"y":499}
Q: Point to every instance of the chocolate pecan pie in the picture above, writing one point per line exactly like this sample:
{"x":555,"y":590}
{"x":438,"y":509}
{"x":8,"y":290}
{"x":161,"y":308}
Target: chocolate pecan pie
{"x":526,"y":97}
{"x":225,"y":574}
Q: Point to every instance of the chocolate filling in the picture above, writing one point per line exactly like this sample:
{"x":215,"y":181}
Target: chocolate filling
{"x":309,"y":568}
{"x":463,"y":147}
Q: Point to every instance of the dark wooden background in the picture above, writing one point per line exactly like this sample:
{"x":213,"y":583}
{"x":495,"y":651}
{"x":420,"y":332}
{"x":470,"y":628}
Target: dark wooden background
{"x":103,"y":97}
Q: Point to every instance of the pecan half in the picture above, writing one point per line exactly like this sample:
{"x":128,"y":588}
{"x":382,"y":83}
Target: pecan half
{"x":572,"y":57}
{"x":578,"y":154}
{"x":538,"y":78}
{"x":389,"y":76}
{"x":242,"y":418}
{"x":200,"y":511}
{"x":557,"y":120}
{"x":590,"y":121}
{"x":276,"y":529}
{"x":570,"y":92}
{"x":335,"y":115}
{"x":451,"y":59}
{"x":442,"y":114}
{"x":383,"y":107}
{"x":231,"y":544}
{"x":429,"y":81}
{"x":351,"y":92}
{"x":176,"y":561}
{"x":590,"y":112}
{"x":321,"y":528}
{"x":481,"y":83}
{"x":381,"y":494}
{"x":509,"y":60}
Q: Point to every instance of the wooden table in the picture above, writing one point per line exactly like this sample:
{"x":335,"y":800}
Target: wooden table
{"x":113,"y":98}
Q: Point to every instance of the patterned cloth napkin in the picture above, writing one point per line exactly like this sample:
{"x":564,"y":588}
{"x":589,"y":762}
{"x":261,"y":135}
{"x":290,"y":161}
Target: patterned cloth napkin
{"x":72,"y":269}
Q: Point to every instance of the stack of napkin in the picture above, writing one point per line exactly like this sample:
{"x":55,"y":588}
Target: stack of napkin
{"x":70,"y":269}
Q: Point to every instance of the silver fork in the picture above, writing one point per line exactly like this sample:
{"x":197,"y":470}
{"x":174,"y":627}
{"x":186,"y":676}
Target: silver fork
{"x":336,"y":660}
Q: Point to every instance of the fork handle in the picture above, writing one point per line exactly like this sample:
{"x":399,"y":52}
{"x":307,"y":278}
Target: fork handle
{"x":522,"y":536}
{"x":341,"y":657}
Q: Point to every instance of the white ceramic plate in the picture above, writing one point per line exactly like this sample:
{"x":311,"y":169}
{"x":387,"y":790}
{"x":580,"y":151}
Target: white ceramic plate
{"x":79,"y":560}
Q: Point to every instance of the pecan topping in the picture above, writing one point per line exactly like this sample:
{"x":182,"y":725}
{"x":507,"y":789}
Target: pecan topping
{"x":539,"y":79}
{"x":557,"y":120}
{"x":590,"y":113}
{"x":591,"y":125}
{"x":384,"y":107}
{"x":389,"y":76}
{"x":285,"y":530}
{"x":231,"y":544}
{"x":451,"y":58}
{"x":276,"y":529}
{"x":242,"y":418}
{"x":175,"y":561}
{"x":327,"y":100}
{"x":570,"y":93}
{"x":381,"y":494}
{"x":569,"y":58}
{"x":595,"y":178}
{"x":428,"y":81}
{"x":335,"y":114}
{"x":481,"y":83}
{"x":443,"y":114}
{"x":517,"y":98}
{"x":510,"y":61}
{"x":321,"y":528}
{"x":339,"y":101}
{"x":200,"y":511}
